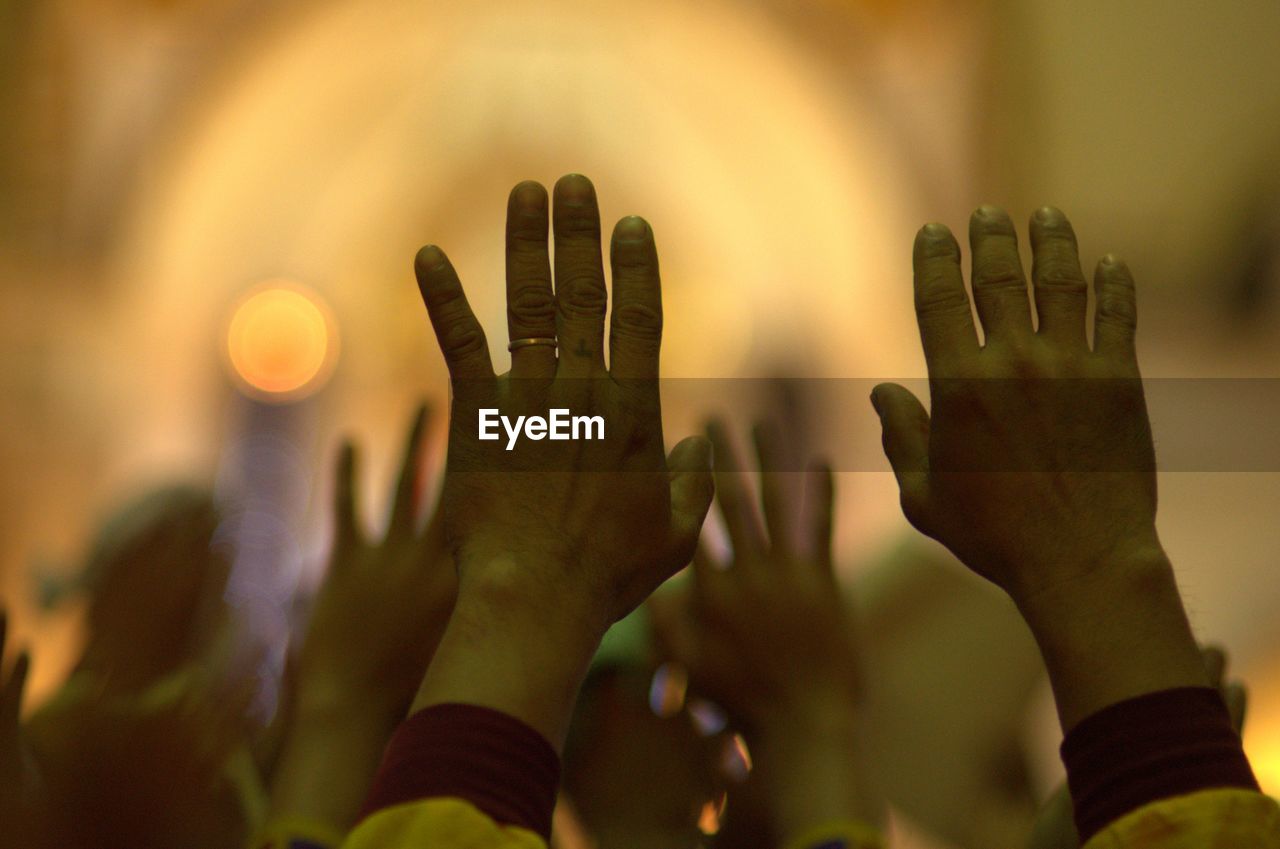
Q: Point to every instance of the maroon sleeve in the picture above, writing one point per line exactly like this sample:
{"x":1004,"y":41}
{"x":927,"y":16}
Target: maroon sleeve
{"x":497,"y":763}
{"x":1148,"y":748}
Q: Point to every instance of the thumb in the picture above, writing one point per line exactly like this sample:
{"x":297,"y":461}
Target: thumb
{"x":692,"y":488}
{"x":905,"y":436}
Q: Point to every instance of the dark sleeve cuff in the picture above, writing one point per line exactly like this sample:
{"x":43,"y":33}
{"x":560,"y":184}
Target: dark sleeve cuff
{"x":1148,"y":748}
{"x":497,"y":763}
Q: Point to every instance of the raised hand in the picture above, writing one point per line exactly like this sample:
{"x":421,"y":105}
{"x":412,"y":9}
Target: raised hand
{"x":769,"y":632}
{"x":174,"y":738}
{"x":376,"y":624}
{"x":1036,"y":465}
{"x":156,"y":586}
{"x":385,"y":602}
{"x":559,"y":538}
{"x":769,"y":637}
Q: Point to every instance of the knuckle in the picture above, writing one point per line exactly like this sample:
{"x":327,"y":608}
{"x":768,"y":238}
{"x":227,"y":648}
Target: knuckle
{"x":527,"y":232}
{"x":637,"y":320}
{"x":578,"y":222}
{"x":940,"y":296}
{"x":999,"y":275}
{"x":633,"y":263}
{"x":528,"y":268}
{"x":1056,"y":236}
{"x":638,"y":351}
{"x":1072,"y":365}
{"x":445,"y":299}
{"x":583,"y":295}
{"x":533,"y":305}
{"x":462,"y":339}
{"x":1023,"y":356}
{"x":942,"y":251}
{"x":996,"y":224}
{"x":1027,"y":367}
{"x":1061,"y":276}
{"x":1117,"y":308}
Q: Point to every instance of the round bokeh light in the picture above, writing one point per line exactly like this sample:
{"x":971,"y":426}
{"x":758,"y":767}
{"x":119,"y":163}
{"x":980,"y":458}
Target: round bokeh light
{"x":281,"y":341}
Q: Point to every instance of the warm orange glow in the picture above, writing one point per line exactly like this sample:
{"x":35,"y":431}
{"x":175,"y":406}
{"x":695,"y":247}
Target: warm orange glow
{"x":1262,"y":741}
{"x":281,"y":341}
{"x":1262,"y":721}
{"x":711,"y":815}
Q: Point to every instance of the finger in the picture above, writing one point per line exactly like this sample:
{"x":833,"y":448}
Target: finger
{"x":1215,"y":664}
{"x":1115,"y":317}
{"x":999,"y":284}
{"x":737,"y":504}
{"x":706,"y":571}
{"x":635,"y":330}
{"x":461,"y":339}
{"x":942,"y":305}
{"x":779,"y":504}
{"x":345,"y":522}
{"x":1062,"y":296}
{"x":905,"y":435}
{"x":531,"y":303}
{"x":820,"y":496}
{"x":580,"y":294}
{"x":11,"y":692}
{"x":434,"y":537}
{"x":404,"y":504}
{"x":674,"y":632}
{"x":1236,"y":695}
{"x":692,"y":488}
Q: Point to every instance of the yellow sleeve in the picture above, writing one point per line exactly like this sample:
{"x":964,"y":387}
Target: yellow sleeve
{"x":438,"y":823}
{"x":1209,"y":819}
{"x":838,"y":834}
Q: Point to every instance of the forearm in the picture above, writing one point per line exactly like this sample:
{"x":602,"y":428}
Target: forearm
{"x":491,"y":714}
{"x":328,"y":763}
{"x":1117,"y":634}
{"x":812,"y":768}
{"x":508,"y":650}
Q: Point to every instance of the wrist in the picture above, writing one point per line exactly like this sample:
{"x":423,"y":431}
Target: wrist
{"x":1132,"y":574}
{"x":515,"y":588}
{"x":330,"y":756}
{"x":813,"y":766}
{"x":337,"y":703}
{"x":1116,"y":632}
{"x":516,"y":645}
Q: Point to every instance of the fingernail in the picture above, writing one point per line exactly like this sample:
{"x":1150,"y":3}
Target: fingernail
{"x":934,"y":230}
{"x":1111,"y":260}
{"x":430,"y":257}
{"x":1048,"y":215}
{"x":531,"y":197}
{"x":575,"y":187}
{"x":633,"y":228}
{"x":989,"y":211}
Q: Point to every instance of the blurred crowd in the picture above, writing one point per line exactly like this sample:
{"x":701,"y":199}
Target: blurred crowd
{"x":540,"y":646}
